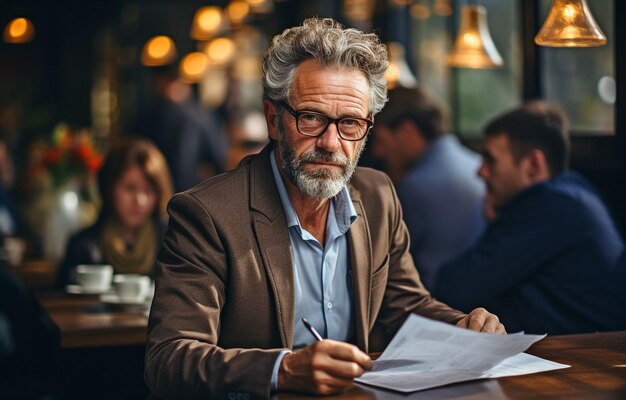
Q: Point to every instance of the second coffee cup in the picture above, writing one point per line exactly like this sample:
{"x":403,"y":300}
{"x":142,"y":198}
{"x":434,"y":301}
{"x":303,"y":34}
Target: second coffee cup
{"x":131,"y":287}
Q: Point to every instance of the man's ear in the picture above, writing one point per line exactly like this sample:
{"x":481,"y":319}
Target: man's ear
{"x":537,"y":166}
{"x":271,"y":112}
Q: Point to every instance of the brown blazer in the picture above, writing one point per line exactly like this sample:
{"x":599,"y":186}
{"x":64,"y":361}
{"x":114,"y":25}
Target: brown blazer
{"x":223,"y":308}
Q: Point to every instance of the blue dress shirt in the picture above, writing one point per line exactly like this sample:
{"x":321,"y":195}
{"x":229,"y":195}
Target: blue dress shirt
{"x":322,"y":280}
{"x":442,"y":202}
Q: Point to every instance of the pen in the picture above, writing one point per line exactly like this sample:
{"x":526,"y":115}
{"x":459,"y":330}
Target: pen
{"x":312,"y":330}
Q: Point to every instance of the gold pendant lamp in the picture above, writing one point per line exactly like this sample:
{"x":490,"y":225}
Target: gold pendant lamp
{"x":19,"y":30}
{"x":473,"y":46}
{"x":570,"y":24}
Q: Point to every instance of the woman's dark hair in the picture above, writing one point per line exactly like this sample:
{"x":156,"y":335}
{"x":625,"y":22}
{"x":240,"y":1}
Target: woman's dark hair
{"x":140,"y":153}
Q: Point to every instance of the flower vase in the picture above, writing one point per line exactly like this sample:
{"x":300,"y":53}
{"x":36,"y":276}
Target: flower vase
{"x":69,"y":211}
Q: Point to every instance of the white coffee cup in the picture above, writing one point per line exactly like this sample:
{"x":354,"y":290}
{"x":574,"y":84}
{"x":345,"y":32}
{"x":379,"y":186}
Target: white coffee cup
{"x":131,"y":287}
{"x":14,"y":248}
{"x":94,"y":277}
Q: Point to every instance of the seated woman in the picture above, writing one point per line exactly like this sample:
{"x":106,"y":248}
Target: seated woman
{"x":135,"y":185}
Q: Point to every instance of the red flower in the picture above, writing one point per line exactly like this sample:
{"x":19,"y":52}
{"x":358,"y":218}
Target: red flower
{"x":51,"y":156}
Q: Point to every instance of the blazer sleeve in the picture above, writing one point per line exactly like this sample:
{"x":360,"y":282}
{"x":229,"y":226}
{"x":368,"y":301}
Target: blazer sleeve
{"x":183,"y":358}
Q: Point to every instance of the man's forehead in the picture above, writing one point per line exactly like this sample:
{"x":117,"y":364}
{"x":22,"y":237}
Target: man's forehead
{"x":311,"y":75}
{"x":496,"y":145}
{"x":499,"y":141}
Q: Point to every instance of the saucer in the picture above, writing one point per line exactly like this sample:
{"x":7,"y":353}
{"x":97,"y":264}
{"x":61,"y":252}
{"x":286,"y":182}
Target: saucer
{"x":77,"y":289}
{"x":114,"y":301}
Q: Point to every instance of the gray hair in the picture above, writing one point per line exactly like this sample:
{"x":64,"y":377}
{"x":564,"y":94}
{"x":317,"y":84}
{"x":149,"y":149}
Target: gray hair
{"x":328,"y":42}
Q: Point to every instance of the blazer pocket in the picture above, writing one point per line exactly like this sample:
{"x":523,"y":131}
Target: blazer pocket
{"x":378,"y":287}
{"x":379,"y":275}
{"x":379,"y":282}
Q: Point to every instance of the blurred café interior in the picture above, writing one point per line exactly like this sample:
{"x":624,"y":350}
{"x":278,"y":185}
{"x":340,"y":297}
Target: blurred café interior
{"x":77,"y":77}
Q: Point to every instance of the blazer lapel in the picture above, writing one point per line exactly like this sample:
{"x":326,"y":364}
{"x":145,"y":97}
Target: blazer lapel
{"x":270,"y":227}
{"x":360,"y":250}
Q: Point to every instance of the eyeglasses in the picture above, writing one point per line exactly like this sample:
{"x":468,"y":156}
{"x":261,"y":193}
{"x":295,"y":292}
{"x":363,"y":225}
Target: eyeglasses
{"x":314,"y":124}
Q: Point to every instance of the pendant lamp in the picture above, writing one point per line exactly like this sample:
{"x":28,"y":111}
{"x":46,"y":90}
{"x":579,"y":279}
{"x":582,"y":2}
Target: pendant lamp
{"x":208,"y":22}
{"x":473,"y":47}
{"x":159,"y":50}
{"x":19,"y":30}
{"x":570,"y":24}
{"x":398,"y":73}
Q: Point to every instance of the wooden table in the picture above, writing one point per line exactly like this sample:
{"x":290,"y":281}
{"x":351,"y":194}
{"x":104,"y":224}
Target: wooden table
{"x":598,"y":371}
{"x":598,"y":361}
{"x":36,"y":273}
{"x":84,"y":321}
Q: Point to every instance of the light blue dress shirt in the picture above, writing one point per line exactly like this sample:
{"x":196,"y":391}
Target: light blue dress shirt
{"x":442,"y":202}
{"x":322,"y":279}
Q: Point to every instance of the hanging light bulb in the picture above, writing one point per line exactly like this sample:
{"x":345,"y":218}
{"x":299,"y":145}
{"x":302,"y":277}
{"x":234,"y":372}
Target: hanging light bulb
{"x":398,"y":73}
{"x":159,"y":50}
{"x":237,"y":11}
{"x":193,"y":66}
{"x":473,"y":47}
{"x":19,"y":30}
{"x":220,"y":51}
{"x":570,"y":24}
{"x":442,"y":8}
{"x":261,"y":6}
{"x":207,"y":22}
{"x":420,"y":10}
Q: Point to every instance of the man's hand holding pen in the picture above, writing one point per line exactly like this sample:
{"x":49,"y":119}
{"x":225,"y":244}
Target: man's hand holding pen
{"x":324,"y":367}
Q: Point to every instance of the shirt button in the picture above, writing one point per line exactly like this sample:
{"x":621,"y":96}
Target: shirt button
{"x":329,"y":305}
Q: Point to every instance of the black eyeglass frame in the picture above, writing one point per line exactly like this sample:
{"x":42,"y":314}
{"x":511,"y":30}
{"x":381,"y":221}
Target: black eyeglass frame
{"x":329,"y":120}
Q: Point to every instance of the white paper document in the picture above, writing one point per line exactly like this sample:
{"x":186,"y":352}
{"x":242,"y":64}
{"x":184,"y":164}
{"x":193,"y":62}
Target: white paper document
{"x":426,"y":354}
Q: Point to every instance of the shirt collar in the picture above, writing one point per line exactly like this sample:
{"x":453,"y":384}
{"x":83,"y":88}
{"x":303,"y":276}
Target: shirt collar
{"x":344,"y":211}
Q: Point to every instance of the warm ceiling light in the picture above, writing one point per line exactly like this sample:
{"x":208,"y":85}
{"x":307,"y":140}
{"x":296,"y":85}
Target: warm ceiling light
{"x":193,"y":66}
{"x":570,"y":24}
{"x":473,"y":47}
{"x":358,"y":10}
{"x":237,"y":11}
{"x":159,"y":50}
{"x":261,"y":6}
{"x":221,"y":50}
{"x":420,"y":11}
{"x":207,"y":22}
{"x":19,"y":30}
{"x":443,"y":8}
{"x":398,"y":72}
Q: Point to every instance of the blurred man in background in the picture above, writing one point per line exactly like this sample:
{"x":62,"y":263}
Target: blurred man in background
{"x":192,"y":137}
{"x":435,"y":177}
{"x":548,"y":263}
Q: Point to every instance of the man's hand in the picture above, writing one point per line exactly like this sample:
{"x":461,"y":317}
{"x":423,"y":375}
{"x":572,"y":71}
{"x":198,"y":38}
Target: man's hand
{"x":482,"y":320}
{"x":322,"y":368}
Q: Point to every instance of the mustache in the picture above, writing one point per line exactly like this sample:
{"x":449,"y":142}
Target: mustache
{"x":321,"y":155}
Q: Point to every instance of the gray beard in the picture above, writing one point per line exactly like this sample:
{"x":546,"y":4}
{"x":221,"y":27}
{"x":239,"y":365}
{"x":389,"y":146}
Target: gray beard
{"x":321,"y":183}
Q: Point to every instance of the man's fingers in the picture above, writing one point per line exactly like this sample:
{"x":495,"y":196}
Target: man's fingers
{"x":477,"y":319}
{"x":341,"y":369}
{"x":481,"y":320}
{"x":325,"y":379}
{"x":346,"y":352}
{"x":491,"y":324}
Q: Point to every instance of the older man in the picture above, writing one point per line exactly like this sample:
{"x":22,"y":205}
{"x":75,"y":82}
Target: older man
{"x":295,"y":231}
